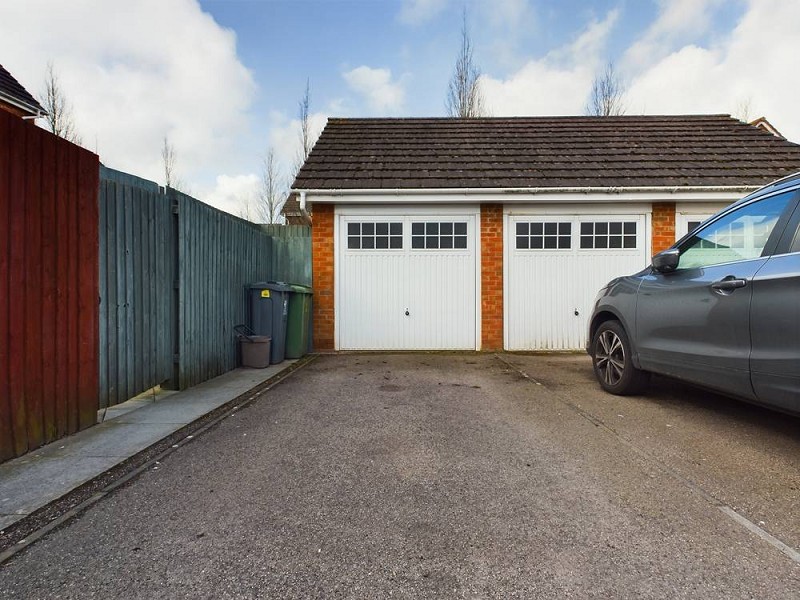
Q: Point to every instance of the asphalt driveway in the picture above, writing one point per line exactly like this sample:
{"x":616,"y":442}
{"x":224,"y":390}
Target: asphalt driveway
{"x":436,"y":475}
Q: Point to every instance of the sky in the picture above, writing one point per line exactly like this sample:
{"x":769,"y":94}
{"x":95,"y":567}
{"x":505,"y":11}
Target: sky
{"x":222,"y":79}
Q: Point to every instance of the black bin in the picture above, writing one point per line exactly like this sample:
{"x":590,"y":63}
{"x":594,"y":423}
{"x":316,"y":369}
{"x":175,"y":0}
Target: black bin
{"x":268,"y":307}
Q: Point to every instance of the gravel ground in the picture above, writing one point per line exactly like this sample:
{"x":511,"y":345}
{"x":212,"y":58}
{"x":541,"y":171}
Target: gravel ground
{"x":446,"y":475}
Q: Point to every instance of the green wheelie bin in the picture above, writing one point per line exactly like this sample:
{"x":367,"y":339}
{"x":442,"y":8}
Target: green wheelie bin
{"x":298,"y":326}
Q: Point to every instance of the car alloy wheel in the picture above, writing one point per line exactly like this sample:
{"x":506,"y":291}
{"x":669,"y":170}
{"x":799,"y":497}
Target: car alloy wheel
{"x":610,"y":357}
{"x":612,"y":361}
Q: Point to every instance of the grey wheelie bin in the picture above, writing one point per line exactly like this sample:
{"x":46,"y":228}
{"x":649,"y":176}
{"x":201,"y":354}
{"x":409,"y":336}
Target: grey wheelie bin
{"x":268,"y":307}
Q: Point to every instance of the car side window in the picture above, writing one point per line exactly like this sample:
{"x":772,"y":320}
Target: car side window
{"x":740,"y":235}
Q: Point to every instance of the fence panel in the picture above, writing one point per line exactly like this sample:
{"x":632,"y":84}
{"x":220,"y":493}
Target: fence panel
{"x":136,"y":282}
{"x":218,"y":255}
{"x":291,"y":256}
{"x":48,"y":287}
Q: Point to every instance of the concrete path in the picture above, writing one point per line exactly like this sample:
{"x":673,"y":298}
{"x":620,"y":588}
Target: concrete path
{"x":447,"y":476}
{"x":40,"y":477}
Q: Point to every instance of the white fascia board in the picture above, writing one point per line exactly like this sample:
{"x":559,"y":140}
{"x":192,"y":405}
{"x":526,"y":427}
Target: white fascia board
{"x":529,"y":195}
{"x":28,"y":108}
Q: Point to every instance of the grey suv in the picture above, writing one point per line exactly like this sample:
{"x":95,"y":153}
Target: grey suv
{"x":720,"y":309}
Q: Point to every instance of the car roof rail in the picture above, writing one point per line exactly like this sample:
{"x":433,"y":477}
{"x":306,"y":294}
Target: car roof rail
{"x":776,"y":182}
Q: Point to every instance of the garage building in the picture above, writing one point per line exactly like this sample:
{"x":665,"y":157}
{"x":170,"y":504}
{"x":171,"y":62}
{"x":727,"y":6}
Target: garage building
{"x":496,"y":233}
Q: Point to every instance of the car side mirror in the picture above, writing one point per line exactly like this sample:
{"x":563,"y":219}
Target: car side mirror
{"x":667,"y":261}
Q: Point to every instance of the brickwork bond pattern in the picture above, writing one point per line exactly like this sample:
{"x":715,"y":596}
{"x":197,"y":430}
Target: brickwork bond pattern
{"x":663,"y":226}
{"x":491,"y":277}
{"x":322,"y":241}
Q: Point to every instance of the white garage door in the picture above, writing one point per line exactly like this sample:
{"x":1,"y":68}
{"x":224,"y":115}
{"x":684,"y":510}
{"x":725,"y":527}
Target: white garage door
{"x":555,"y":266}
{"x":406,"y":282}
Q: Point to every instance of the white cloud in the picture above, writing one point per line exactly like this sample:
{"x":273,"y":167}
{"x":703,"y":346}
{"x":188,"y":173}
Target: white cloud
{"x":382,"y":94}
{"x":508,"y":23}
{"x":558,"y":83}
{"x":508,"y":14}
{"x":235,"y":194}
{"x":744,"y":66}
{"x":415,"y":12}
{"x":135,"y":72}
{"x":677,"y":22}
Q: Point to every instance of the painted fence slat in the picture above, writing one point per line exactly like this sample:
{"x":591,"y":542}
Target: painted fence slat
{"x":49,"y":229}
{"x":32,"y":282}
{"x":71,"y":351}
{"x":7,"y":442}
{"x":16,"y":284}
{"x":63,"y":192}
{"x":88,"y":292}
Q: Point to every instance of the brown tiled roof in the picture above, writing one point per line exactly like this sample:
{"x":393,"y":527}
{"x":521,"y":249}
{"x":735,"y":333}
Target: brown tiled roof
{"x":12,"y":91}
{"x":545,"y":152}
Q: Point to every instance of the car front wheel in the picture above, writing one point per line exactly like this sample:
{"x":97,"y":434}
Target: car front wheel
{"x":611,"y":358}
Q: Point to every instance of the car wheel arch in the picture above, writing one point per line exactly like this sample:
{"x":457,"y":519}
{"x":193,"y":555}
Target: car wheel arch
{"x":608,"y":314}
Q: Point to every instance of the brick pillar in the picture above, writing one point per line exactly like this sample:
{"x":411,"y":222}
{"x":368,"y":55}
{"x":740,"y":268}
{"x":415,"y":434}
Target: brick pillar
{"x":322,"y":276}
{"x":663,"y":226}
{"x":491,"y":276}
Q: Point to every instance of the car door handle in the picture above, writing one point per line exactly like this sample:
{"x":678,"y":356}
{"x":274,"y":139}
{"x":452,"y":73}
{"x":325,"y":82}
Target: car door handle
{"x":728,"y":284}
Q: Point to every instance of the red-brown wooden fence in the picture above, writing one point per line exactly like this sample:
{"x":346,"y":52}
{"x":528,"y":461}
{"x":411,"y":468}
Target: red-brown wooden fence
{"x":48,"y":287}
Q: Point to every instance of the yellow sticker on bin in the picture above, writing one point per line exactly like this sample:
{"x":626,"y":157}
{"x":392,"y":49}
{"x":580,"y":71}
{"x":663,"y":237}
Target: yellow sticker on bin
{"x":265,"y":293}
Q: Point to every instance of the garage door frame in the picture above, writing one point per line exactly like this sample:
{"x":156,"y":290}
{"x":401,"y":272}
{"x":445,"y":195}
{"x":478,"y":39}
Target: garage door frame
{"x":562,"y":209}
{"x":404,"y":210}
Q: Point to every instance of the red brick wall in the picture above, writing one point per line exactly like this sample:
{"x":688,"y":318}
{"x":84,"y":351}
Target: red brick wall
{"x":663,"y":226}
{"x":491,"y":276}
{"x":322,"y":276}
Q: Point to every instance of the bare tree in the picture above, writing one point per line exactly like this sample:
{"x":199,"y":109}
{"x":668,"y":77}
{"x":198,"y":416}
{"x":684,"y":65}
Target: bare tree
{"x":271,"y":195}
{"x":59,"y":111}
{"x":169,"y":162}
{"x":245,"y":210}
{"x":305,"y":128}
{"x":744,"y":109}
{"x":464,"y":95}
{"x":607,"y":97}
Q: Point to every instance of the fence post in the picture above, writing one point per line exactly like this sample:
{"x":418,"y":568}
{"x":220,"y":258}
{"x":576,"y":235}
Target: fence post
{"x":176,"y":312}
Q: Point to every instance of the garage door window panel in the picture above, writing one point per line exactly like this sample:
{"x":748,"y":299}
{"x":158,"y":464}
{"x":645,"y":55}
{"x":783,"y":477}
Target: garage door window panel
{"x":439,"y":235}
{"x":374,"y":236}
{"x":615,"y":235}
{"x":543,"y":235}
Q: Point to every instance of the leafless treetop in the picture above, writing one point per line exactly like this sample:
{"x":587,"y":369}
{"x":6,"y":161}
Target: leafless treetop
{"x":305,"y":133}
{"x":169,"y":162}
{"x":464,"y":96}
{"x":59,"y":111}
{"x":271,"y":195}
{"x":607,"y":97}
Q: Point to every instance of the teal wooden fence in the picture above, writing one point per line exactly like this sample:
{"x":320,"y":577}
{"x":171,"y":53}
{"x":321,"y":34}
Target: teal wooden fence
{"x":173,"y":272}
{"x":136,"y":280}
{"x":291,"y":256}
{"x":218,"y":255}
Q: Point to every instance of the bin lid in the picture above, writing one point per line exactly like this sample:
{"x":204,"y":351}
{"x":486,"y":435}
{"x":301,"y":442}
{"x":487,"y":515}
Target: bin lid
{"x":300,"y":288}
{"x":275,"y":286}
